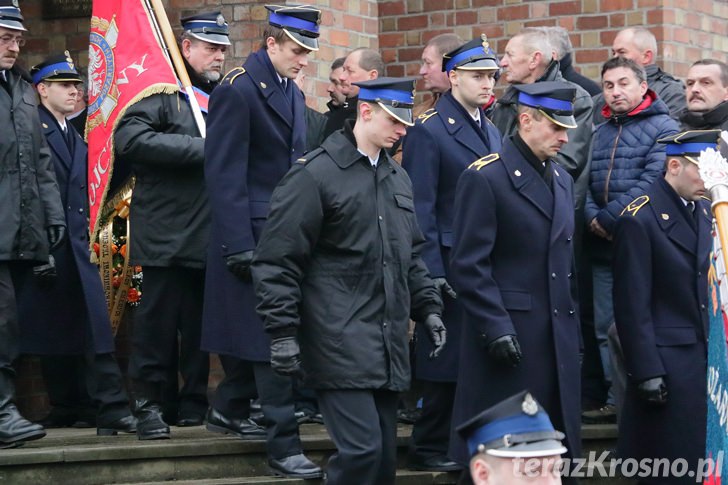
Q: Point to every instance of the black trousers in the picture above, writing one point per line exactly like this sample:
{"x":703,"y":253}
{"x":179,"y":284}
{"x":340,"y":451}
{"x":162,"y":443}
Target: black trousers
{"x":9,"y":335}
{"x":243,"y":381}
{"x":431,"y":432}
{"x":93,"y":380}
{"x":171,"y":306}
{"x":363,"y":425}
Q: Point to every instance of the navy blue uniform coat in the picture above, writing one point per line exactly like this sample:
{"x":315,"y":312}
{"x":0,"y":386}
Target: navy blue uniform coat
{"x":54,"y":319}
{"x":512,"y":266}
{"x":254,"y":134}
{"x":443,"y":142}
{"x":661,"y":311}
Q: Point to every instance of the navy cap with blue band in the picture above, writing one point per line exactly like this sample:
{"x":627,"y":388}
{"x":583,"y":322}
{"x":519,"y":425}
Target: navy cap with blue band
{"x":395,"y":95}
{"x":299,"y":22}
{"x":473,"y":55}
{"x":207,"y":26}
{"x":56,"y":68}
{"x":689,"y":144}
{"x":554,"y":99}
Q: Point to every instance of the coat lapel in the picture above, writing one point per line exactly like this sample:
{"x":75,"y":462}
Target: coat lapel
{"x":55,"y":138}
{"x":670,"y":219}
{"x":526,"y":180}
{"x":460,"y":127}
{"x":269,"y":88}
{"x":705,"y":240}
{"x":562,"y":203}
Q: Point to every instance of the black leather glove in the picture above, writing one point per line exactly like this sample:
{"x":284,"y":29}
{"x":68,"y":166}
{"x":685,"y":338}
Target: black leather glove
{"x":55,"y":236}
{"x":653,"y":391}
{"x":505,"y":350}
{"x":444,"y":288}
{"x":45,"y":274}
{"x":437,"y":333}
{"x":285,"y":357}
{"x":239,"y":264}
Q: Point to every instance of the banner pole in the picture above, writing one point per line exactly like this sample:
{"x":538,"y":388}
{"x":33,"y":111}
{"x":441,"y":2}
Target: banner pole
{"x":178,"y":63}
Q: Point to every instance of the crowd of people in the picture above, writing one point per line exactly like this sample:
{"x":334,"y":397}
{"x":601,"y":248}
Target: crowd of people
{"x":540,"y":254}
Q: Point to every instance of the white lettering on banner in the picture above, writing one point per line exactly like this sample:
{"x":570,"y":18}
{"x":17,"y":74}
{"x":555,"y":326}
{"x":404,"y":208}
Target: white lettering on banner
{"x":138,"y":67}
{"x":718,"y":396}
{"x":100,"y":167}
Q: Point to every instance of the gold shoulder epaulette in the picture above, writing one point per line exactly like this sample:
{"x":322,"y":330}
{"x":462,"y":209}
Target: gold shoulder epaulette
{"x":634,"y":206}
{"x":706,"y":198}
{"x":307,"y":157}
{"x":427,"y":115}
{"x":482,"y":162}
{"x":233,"y":73}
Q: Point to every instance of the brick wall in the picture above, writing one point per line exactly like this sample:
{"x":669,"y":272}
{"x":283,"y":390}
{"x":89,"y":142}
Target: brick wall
{"x":687,"y":30}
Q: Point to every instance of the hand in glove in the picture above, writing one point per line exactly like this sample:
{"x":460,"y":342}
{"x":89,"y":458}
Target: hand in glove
{"x":437,"y":333}
{"x":239,"y":264}
{"x":505,"y":350}
{"x":55,"y":236}
{"x":285,"y":356}
{"x":444,"y":288}
{"x":46,"y":273}
{"x":653,"y":391}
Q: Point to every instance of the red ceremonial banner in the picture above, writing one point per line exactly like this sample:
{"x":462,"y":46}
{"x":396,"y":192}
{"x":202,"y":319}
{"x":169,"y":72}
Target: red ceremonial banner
{"x":127,"y":62}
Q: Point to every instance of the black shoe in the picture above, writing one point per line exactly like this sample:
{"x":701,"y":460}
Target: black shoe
{"x":437,"y":463}
{"x":408,"y":416}
{"x":185,"y":420}
{"x":306,"y":417}
{"x":150,"y":424}
{"x":244,"y":428}
{"x":296,"y":466}
{"x":606,"y":414}
{"x":127,"y":424}
{"x":15,"y":429}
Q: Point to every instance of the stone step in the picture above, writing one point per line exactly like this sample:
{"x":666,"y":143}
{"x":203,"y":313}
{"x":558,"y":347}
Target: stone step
{"x":193,"y":455}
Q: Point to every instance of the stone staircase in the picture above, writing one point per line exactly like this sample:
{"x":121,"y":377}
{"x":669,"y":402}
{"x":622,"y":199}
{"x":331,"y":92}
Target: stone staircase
{"x":196,"y":456}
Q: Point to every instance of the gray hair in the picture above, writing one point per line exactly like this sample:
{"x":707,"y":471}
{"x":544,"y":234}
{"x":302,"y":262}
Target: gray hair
{"x":560,"y":41}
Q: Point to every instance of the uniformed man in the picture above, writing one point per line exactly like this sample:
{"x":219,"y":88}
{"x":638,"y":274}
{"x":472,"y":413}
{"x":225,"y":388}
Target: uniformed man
{"x":662,"y":247}
{"x":511,"y":266}
{"x":513,"y":442}
{"x":344,"y":287}
{"x":73,"y":318}
{"x":31,"y":214}
{"x":443,"y":142}
{"x":170,"y":224}
{"x":256,"y":130}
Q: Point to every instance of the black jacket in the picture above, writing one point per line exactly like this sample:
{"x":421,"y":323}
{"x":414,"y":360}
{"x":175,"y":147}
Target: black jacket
{"x":29,"y":195}
{"x":715,"y":119}
{"x":566,"y":65}
{"x":338,"y":263}
{"x":170,"y":221}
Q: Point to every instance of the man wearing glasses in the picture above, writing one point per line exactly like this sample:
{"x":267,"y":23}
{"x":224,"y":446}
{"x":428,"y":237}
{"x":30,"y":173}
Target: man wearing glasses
{"x":31,"y":217}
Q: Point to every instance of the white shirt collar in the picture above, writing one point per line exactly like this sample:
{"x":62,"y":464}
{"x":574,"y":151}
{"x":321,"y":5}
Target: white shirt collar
{"x":373,"y":161}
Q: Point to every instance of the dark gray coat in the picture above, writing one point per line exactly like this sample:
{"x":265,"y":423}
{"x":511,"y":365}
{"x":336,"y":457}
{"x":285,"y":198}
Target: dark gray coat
{"x":715,"y":119}
{"x":339,"y":261}
{"x":574,"y":157}
{"x":29,"y":195}
{"x":170,"y":215}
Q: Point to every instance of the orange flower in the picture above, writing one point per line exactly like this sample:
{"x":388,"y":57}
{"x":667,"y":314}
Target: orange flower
{"x":97,"y":248}
{"x":116,"y":281}
{"x":133,"y":295}
{"x":122,"y":251}
{"x":114,"y":249}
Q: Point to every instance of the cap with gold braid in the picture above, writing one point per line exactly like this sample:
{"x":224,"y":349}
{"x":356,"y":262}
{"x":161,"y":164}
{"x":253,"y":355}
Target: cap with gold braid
{"x":299,"y":22}
{"x":475,"y":55}
{"x":554,"y":99}
{"x":56,"y":68}
{"x":689,"y":144}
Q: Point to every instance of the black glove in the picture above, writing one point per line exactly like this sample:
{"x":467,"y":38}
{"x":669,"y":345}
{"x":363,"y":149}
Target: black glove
{"x":444,"y":288}
{"x":46,"y":273}
{"x":505,"y":350}
{"x":285,"y":356}
{"x":239,"y":264}
{"x":437,"y":333}
{"x":653,"y":391}
{"x":55,"y":236}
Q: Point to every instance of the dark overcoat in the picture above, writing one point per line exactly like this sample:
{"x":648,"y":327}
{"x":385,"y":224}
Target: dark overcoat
{"x":55,"y":318}
{"x":443,"y":142}
{"x":339,"y":262}
{"x":254,"y":134}
{"x":29,"y":195}
{"x":512,"y":266}
{"x":661,"y":310}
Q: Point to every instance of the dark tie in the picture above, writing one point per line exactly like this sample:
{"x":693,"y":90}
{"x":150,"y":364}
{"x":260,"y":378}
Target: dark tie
{"x":4,"y":81}
{"x":693,"y":212}
{"x":67,"y":137}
